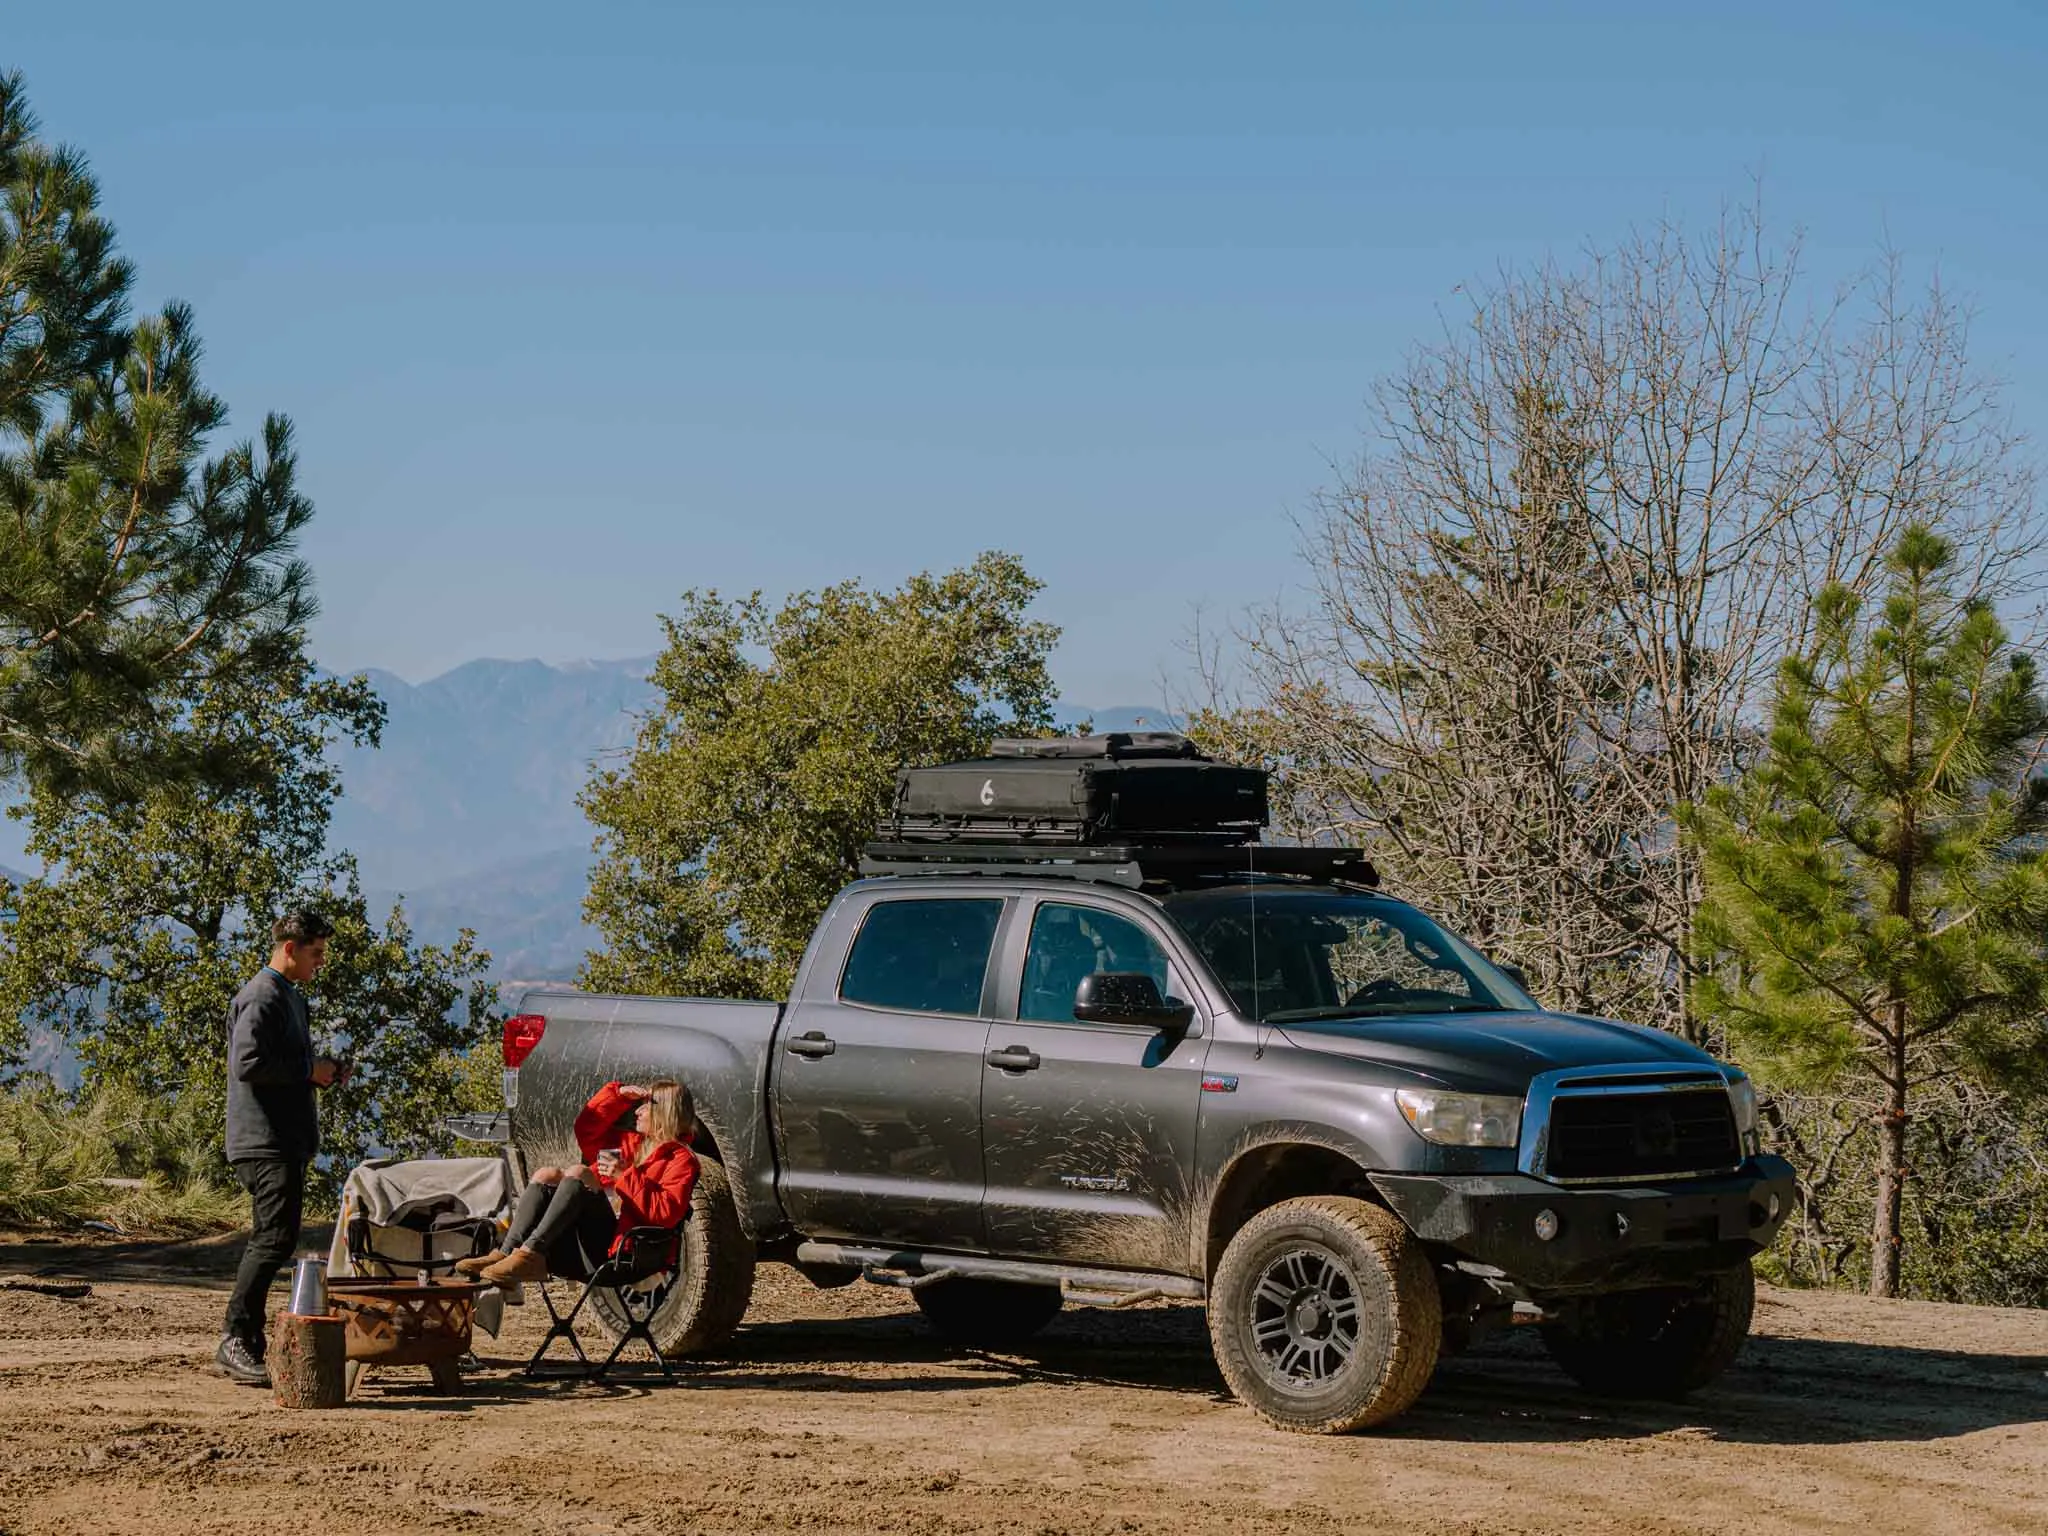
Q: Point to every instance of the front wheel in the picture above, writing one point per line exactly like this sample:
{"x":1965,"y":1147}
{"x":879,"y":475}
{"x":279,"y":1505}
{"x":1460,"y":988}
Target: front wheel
{"x":1659,"y":1344}
{"x":716,"y":1280}
{"x":1325,"y":1316}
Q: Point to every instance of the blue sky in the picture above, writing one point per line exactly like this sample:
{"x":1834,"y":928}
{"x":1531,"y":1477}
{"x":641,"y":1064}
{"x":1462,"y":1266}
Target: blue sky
{"x":576,"y":307}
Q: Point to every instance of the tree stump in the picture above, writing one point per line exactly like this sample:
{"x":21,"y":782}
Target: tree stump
{"x":308,"y":1359}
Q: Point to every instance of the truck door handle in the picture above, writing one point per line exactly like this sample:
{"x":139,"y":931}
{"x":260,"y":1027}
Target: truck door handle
{"x":1013,"y":1058}
{"x":812,"y":1043}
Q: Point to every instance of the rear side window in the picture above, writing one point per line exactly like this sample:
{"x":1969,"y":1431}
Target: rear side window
{"x":922,"y":956}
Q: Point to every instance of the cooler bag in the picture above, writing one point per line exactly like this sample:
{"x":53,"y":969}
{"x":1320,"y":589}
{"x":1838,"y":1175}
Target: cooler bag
{"x":1146,"y":787}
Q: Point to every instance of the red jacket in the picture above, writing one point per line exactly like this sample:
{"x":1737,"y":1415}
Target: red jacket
{"x":654,"y":1192}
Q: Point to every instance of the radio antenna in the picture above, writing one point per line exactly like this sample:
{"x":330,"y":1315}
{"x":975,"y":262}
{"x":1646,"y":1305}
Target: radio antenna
{"x":1251,"y":870}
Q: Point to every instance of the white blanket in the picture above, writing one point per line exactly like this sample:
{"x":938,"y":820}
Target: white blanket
{"x":386,"y":1190}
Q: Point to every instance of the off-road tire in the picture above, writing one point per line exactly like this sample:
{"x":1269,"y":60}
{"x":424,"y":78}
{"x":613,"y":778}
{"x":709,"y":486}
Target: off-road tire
{"x":707,"y":1303}
{"x":1656,"y":1344}
{"x":1267,"y":1309}
{"x":987,"y":1314}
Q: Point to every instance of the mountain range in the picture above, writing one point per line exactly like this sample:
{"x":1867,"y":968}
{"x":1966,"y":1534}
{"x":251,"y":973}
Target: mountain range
{"x":467,"y":811}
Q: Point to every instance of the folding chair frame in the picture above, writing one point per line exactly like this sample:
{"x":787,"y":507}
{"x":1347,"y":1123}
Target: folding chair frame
{"x":363,"y":1251}
{"x":649,"y":1252}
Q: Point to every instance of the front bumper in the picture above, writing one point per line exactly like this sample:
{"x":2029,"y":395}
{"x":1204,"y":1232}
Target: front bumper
{"x":1609,"y":1237}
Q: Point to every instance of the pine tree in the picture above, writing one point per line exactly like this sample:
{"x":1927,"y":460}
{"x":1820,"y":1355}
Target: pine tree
{"x":1876,"y":912}
{"x":133,"y":569}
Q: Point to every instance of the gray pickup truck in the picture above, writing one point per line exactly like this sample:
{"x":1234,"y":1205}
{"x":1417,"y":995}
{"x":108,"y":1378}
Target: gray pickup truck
{"x":1242,"y":1076}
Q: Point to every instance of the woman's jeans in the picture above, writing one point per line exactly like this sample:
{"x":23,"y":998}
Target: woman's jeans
{"x":568,"y":1224}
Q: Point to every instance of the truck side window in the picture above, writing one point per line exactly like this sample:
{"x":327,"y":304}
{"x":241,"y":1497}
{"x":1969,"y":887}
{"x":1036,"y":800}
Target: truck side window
{"x":922,"y":956}
{"x":1070,"y":943}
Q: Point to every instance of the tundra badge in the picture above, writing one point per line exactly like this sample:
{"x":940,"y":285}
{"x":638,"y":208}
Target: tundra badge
{"x":1102,"y":1181}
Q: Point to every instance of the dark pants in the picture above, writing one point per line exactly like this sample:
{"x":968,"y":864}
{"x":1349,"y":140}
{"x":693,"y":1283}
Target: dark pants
{"x":567,"y":1224}
{"x":277,"y":1197}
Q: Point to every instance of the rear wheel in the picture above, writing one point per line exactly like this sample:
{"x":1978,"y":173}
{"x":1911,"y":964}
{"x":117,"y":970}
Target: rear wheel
{"x":717,"y":1275}
{"x":1656,"y":1343}
{"x":1325,"y":1315}
{"x":986,"y":1314}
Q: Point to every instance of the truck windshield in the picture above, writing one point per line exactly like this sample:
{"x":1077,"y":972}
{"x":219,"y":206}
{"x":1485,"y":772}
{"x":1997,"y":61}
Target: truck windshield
{"x":1295,"y":954}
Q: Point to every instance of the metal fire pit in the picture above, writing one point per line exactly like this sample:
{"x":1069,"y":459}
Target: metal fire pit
{"x":401,"y":1322}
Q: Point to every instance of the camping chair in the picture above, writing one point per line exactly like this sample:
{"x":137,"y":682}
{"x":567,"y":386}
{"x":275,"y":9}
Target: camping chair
{"x":405,"y":1217}
{"x":641,"y":1275}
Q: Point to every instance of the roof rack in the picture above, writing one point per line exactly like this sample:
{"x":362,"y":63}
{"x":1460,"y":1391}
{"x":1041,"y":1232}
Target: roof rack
{"x":1134,"y":866}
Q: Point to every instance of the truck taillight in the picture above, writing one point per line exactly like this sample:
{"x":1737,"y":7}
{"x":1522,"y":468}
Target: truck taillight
{"x":522,"y":1034}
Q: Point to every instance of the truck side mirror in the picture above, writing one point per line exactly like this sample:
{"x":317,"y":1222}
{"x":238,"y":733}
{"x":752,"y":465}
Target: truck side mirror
{"x":1514,"y":973}
{"x":1129,"y":997}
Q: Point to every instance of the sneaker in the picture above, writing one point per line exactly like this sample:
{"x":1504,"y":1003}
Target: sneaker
{"x":521,"y":1264}
{"x":471,"y":1267}
{"x":238,"y":1361}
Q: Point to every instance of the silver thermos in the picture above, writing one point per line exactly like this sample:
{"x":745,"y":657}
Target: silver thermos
{"x":309,"y":1288}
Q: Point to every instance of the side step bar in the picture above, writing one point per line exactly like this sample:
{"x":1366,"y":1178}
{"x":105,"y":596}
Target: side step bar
{"x":910,"y":1268}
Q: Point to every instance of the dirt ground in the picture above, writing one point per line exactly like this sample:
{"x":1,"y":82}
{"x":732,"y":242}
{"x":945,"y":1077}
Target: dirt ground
{"x":833,"y":1411}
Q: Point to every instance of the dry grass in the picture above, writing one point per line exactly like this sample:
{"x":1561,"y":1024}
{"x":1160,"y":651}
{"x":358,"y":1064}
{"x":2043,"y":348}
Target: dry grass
{"x":121,"y":1157}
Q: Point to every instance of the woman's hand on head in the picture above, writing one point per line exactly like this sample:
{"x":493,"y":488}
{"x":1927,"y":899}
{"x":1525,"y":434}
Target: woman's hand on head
{"x":635,"y":1091}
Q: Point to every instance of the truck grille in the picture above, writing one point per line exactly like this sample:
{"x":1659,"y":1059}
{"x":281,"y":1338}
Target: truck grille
{"x":1637,"y":1135}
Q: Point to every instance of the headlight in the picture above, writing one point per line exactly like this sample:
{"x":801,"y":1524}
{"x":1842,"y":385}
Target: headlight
{"x":1742,"y":1100}
{"x":1462,"y":1119}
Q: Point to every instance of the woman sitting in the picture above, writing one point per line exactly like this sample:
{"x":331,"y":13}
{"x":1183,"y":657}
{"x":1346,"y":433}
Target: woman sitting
{"x":564,"y":1223}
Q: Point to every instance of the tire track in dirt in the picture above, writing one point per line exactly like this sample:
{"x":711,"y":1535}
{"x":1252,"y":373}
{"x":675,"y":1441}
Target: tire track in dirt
{"x":834,"y":1411}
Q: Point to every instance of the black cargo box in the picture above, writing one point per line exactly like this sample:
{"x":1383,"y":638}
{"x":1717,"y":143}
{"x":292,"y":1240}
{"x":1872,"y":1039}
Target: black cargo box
{"x":1138,"y":787}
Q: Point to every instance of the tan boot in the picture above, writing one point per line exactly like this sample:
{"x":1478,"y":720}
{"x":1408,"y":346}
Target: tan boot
{"x":522,"y":1264}
{"x":475,"y":1265}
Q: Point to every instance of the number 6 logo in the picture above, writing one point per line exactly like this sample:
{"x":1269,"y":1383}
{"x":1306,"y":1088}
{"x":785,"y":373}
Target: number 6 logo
{"x":988,"y":791}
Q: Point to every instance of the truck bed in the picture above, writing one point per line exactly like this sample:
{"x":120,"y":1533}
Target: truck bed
{"x":717,"y":1048}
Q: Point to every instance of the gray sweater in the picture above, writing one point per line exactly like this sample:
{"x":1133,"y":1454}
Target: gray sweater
{"x":271,"y":1109}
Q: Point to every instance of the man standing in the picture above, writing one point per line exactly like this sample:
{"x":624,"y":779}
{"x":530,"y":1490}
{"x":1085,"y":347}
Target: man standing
{"x":273,"y":1123}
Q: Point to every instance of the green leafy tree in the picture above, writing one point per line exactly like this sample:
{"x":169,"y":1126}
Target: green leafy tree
{"x":158,"y":904}
{"x":134,"y":569}
{"x":1876,"y":912}
{"x":751,"y":790}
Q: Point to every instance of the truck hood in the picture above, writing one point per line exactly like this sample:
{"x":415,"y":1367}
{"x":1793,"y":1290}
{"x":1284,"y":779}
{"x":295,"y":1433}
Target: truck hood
{"x":1493,"y":1052}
